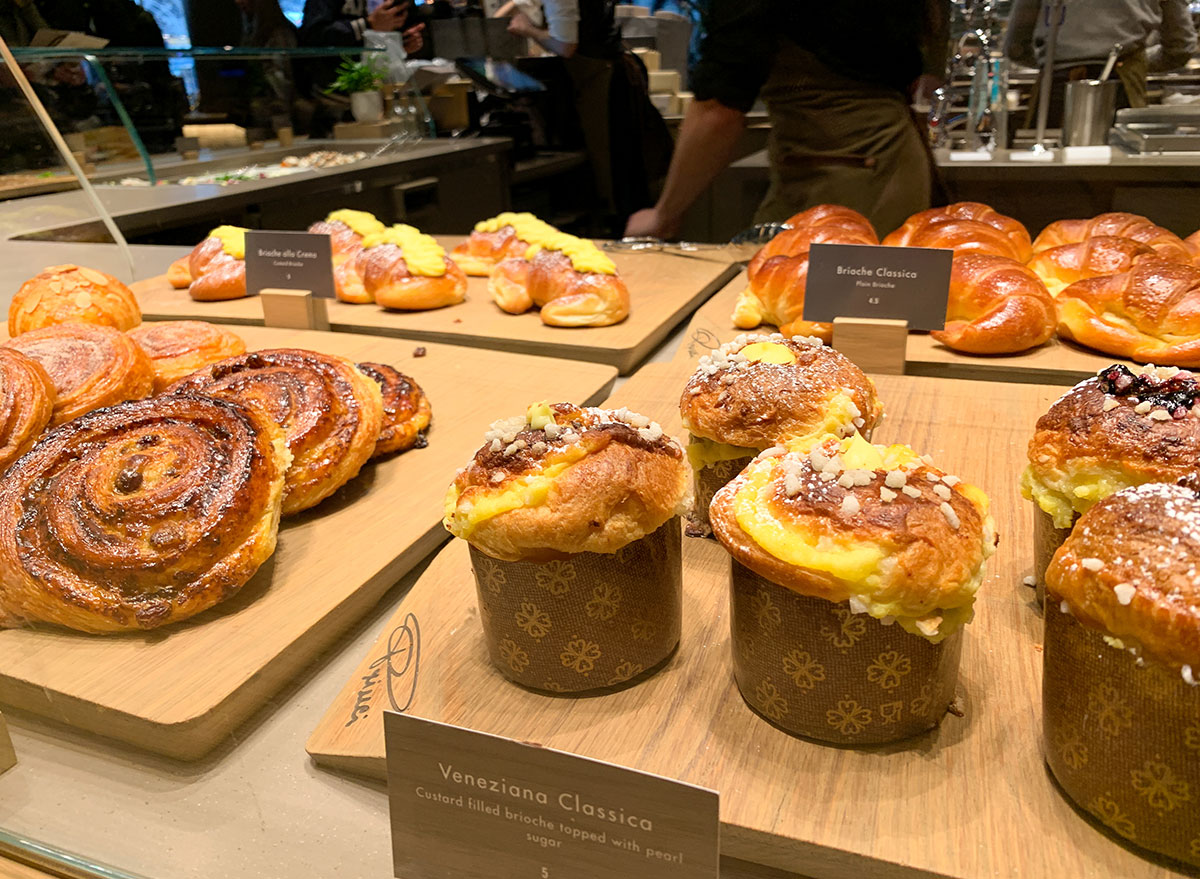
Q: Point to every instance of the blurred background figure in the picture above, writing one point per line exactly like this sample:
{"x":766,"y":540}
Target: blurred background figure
{"x":19,"y":21}
{"x":343,"y":23}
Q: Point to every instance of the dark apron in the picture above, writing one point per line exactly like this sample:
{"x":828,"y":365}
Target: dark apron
{"x":839,"y":141}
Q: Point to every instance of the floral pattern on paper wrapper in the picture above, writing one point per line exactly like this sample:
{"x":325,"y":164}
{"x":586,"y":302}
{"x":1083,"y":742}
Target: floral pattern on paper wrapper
{"x":556,"y":577}
{"x":770,"y":701}
{"x":516,"y":658}
{"x":849,"y":718}
{"x":849,"y":629}
{"x":1111,"y":816}
{"x":1109,"y":708}
{"x":490,"y":576}
{"x":604,"y":603}
{"x":580,"y":655}
{"x":920,"y":705}
{"x":891,"y":712}
{"x":1160,"y":786}
{"x":533,"y":621}
{"x":888,"y":669}
{"x":1071,"y":748}
{"x":1191,"y":736}
{"x":765,"y":611}
{"x":624,"y":671}
{"x":643,"y":629}
{"x":804,"y":671}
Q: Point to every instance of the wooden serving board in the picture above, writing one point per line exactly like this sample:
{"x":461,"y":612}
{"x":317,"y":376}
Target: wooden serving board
{"x":664,"y":289}
{"x":182,"y":690}
{"x":971,"y":799}
{"x":1057,"y":362}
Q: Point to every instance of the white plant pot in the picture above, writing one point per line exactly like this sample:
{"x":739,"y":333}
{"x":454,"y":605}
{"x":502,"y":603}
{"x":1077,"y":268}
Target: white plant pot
{"x":366,"y":106}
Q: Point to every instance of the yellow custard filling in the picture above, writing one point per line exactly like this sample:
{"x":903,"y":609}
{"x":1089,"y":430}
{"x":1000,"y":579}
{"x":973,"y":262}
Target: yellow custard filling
{"x":585,"y":256}
{"x":703,"y":453}
{"x":1075,"y":493}
{"x":769,"y":352}
{"x":359,"y":222}
{"x":233,"y":240}
{"x":422,"y":254}
{"x":527,"y":226}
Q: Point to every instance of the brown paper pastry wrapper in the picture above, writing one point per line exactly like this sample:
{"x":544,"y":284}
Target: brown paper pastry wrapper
{"x":708,"y":482}
{"x":1046,"y":541}
{"x":814,"y":669}
{"x":1122,"y":740}
{"x":586,"y":623}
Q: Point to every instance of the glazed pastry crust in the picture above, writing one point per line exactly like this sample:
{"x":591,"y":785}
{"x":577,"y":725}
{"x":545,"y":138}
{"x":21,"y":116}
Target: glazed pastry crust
{"x":380,"y":274}
{"x":755,"y":405}
{"x":1162,"y":241}
{"x":70,"y":293}
{"x":1063,"y":265}
{"x":566,"y":297}
{"x":406,"y":412}
{"x":216,"y":275}
{"x":965,"y":227}
{"x":344,"y":242}
{"x":330,"y":413}
{"x":931,"y":558}
{"x":624,"y":487}
{"x":177,"y":348}
{"x":996,"y":306}
{"x":1148,"y":538}
{"x":482,"y":250}
{"x":102,"y":529}
{"x":90,"y":366}
{"x":26,"y":404}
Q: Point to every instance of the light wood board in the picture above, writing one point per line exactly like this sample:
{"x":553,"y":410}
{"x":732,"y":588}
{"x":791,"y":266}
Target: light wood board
{"x":971,"y":799}
{"x":8,"y":756}
{"x":180,"y":691}
{"x":1057,"y":362}
{"x":664,"y":289}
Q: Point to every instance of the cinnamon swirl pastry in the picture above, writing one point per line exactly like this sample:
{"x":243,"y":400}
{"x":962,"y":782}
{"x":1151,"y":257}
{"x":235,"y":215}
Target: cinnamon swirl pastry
{"x":330,"y":413}
{"x":179,"y":347}
{"x":61,"y":294}
{"x":90,"y":366}
{"x":139,"y":515}
{"x":26,"y":402}
{"x":406,"y":412}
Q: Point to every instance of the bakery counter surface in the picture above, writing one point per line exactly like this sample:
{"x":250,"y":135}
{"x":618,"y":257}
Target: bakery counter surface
{"x":664,"y":289}
{"x":1056,"y":362}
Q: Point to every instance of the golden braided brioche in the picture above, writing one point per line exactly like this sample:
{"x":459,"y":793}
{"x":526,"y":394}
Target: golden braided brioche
{"x":964,"y":227}
{"x":26,"y":404}
{"x":330,"y":413}
{"x":179,"y":347}
{"x":406,"y":412}
{"x":216,"y":267}
{"x":504,"y":236}
{"x":996,"y":306}
{"x":70,"y":293}
{"x":823,"y":224}
{"x":1064,"y":264}
{"x":90,"y":366}
{"x":568,"y":279}
{"x":400,"y":268}
{"x":1162,"y":241}
{"x":1193,"y":244}
{"x":139,"y":515}
{"x":1150,"y":313}
{"x":346,"y":229}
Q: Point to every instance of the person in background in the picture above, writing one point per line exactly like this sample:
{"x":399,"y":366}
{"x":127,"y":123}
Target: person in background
{"x":343,"y":22}
{"x":1087,"y":32}
{"x":836,"y":79}
{"x":19,"y":21}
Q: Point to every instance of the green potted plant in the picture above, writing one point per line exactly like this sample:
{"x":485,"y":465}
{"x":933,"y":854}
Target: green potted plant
{"x":361,"y":80}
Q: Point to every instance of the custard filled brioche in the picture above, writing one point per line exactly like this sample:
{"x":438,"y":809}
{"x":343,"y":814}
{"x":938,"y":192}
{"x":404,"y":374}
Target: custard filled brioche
{"x":1162,"y":241}
{"x":1064,"y":264}
{"x":876,"y":526}
{"x":1150,"y":313}
{"x":216,"y":267}
{"x":400,"y":268}
{"x":1129,"y":570}
{"x":70,"y":293}
{"x":570,"y":280}
{"x":504,"y":236}
{"x":1122,"y":428}
{"x":996,"y":306}
{"x":758,"y":391}
{"x":964,"y":227}
{"x":346,"y":229}
{"x":563,"y":480}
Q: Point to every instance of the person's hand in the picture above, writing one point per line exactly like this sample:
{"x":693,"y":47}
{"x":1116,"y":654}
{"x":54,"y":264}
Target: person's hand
{"x":413,"y":41}
{"x":650,"y":223}
{"x":390,"y":16}
{"x":521,"y":26}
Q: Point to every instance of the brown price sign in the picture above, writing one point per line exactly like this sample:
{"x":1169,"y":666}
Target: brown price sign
{"x":468,"y":805}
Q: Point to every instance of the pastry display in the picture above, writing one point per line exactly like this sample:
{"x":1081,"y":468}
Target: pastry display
{"x":139,"y":515}
{"x":70,"y":293}
{"x":400,"y":268}
{"x":179,"y":347}
{"x":90,"y":366}
{"x":571,"y":281}
{"x":346,"y":230}
{"x":330,"y":413}
{"x":759,"y":391}
{"x":777,"y":275}
{"x":1120,"y":429}
{"x":1150,"y":313}
{"x":506,"y":235}
{"x":406,"y":412}
{"x":1064,"y":264}
{"x":216,"y":267}
{"x":846,"y":532}
{"x":964,"y":227}
{"x":1162,"y":241}
{"x":26,"y":404}
{"x":1193,"y":244}
{"x":572,"y":519}
{"x":1121,"y":676}
{"x":996,"y":306}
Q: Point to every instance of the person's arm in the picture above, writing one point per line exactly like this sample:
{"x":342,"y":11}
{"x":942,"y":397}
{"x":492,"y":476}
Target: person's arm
{"x":1018,"y":35}
{"x":560,"y":36}
{"x":1177,"y":38}
{"x":323,"y":24}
